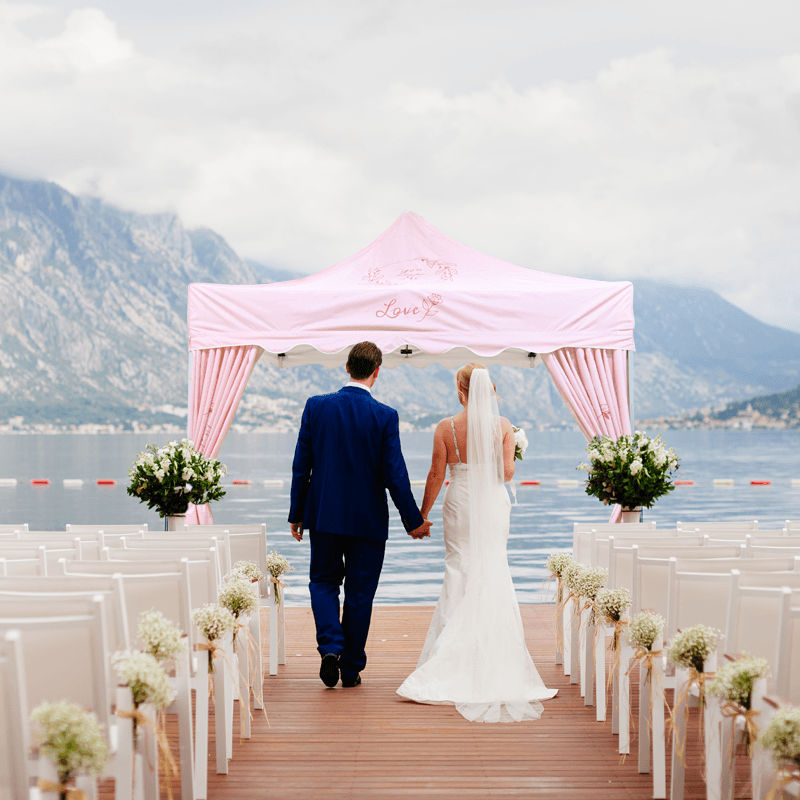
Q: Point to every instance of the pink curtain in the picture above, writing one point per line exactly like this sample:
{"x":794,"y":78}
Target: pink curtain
{"x":216,"y":385}
{"x":594,"y":385}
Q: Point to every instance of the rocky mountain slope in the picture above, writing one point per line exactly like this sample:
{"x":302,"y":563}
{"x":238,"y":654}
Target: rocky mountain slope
{"x":93,"y":310}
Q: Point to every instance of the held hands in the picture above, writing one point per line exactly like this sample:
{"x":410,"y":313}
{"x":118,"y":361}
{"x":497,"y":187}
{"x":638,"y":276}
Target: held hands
{"x":421,"y":532}
{"x":297,"y":531}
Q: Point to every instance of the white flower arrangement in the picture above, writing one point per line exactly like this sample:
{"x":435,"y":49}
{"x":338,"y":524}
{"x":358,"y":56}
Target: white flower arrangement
{"x":240,"y":596}
{"x":693,"y":647}
{"x":734,"y":682}
{"x":557,"y":562}
{"x":611,"y":604}
{"x":246,"y":569}
{"x":146,"y":678}
{"x":644,"y":629}
{"x":590,"y":581}
{"x":162,"y":638}
{"x":521,"y":442}
{"x":171,"y":477}
{"x":633,"y":470}
{"x":71,"y":738}
{"x":781,"y":737}
{"x":213,"y":621}
{"x":571,"y":575}
{"x":277,"y":564}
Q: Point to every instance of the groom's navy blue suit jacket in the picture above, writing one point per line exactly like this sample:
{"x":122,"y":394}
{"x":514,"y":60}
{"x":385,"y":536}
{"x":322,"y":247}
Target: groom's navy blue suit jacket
{"x":347,"y":456}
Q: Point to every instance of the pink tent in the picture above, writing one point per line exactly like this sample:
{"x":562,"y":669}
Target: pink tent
{"x":422,"y":298}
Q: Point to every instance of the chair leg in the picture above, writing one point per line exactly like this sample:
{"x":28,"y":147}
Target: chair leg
{"x":183,"y":702}
{"x":559,"y":639}
{"x":588,"y":649}
{"x":566,"y":635}
{"x":600,"y":672}
{"x":242,"y":657}
{"x":582,"y":623}
{"x":147,"y":751}
{"x":678,"y":771}
{"x":221,"y":723}
{"x":624,"y":700}
{"x":282,"y":630}
{"x":201,"y":754}
{"x":575,"y":646}
{"x":273,"y":634}
{"x":644,"y":721}
{"x":257,"y":671}
{"x":659,"y":735}
{"x":123,"y":758}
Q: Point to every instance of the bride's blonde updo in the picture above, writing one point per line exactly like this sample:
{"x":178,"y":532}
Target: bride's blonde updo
{"x":462,"y":379}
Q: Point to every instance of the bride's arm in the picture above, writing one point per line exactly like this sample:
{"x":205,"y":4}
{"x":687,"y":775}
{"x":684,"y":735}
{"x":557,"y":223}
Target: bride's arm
{"x":433,"y":485}
{"x":509,"y":449}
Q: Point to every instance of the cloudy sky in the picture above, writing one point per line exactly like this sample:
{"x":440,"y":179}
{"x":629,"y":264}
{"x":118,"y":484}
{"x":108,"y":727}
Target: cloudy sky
{"x":604,"y":138}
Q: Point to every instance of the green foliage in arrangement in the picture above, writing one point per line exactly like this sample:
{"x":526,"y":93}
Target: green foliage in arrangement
{"x":634,"y":470}
{"x":71,"y":738}
{"x":171,"y":477}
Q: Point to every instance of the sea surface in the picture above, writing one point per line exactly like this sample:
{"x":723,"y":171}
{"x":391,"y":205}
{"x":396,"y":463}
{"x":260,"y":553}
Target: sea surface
{"x":541,"y":522}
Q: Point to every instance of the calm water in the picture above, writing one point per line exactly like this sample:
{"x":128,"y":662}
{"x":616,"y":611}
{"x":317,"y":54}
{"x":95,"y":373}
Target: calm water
{"x":540,"y":523}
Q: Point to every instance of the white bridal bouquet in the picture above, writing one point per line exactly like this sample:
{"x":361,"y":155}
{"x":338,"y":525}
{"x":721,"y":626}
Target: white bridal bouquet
{"x":634,"y":470}
{"x":521,"y":441}
{"x":171,"y":477}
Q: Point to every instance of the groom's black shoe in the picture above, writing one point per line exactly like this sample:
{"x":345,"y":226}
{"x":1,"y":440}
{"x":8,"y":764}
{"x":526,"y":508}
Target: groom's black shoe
{"x":350,"y":684}
{"x":329,"y":670}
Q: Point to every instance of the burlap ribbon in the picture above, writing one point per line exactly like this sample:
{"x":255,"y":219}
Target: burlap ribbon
{"x":695,"y":679}
{"x":253,"y":653}
{"x":731,"y":709}
{"x":70,"y":794}
{"x":170,"y":767}
{"x":619,"y":627}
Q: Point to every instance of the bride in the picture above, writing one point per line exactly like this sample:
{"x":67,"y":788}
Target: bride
{"x":474,"y":655}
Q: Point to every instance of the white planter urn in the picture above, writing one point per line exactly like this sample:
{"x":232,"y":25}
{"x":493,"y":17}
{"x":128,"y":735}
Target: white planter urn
{"x":632,"y":514}
{"x":174,"y":522}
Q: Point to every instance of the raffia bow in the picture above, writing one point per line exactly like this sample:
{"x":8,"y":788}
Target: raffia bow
{"x":646,"y":656}
{"x":170,"y":767}
{"x":253,"y":653}
{"x":619,"y":628}
{"x":782,"y":779}
{"x":731,"y":709}
{"x":70,"y":794}
{"x":698,"y":679}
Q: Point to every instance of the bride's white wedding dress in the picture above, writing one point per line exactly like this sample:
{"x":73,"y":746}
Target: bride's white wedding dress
{"x":474,"y":655}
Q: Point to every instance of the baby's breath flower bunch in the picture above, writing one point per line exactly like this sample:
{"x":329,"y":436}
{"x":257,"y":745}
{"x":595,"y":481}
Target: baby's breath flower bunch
{"x":171,"y":477}
{"x":633,"y":470}
{"x":71,"y":738}
{"x":590,"y":581}
{"x":239,"y":595}
{"x":556,"y":563}
{"x":213,"y":621}
{"x":734,"y":682}
{"x":781,"y":737}
{"x":693,"y":647}
{"x":520,"y":442}
{"x":571,"y":575}
{"x":277,"y":564}
{"x":611,"y":604}
{"x":644,"y":629}
{"x":162,"y":638}
{"x":246,"y":569}
{"x":146,"y":678}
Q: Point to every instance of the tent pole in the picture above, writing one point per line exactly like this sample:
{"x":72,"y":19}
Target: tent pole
{"x":629,"y":359}
{"x":189,"y":398}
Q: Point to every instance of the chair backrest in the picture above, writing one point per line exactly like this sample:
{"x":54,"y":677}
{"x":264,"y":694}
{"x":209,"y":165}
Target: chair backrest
{"x":168,"y":593}
{"x":734,"y":525}
{"x":32,"y":603}
{"x":11,"y":527}
{"x":778,"y":540}
{"x":112,"y":529}
{"x":744,"y":565}
{"x":249,"y":527}
{"x":65,"y":658}
{"x":787,"y":655}
{"x":91,"y":542}
{"x":753,"y":612}
{"x":724,"y":537}
{"x":757,"y":551}
{"x":23,"y":560}
{"x":122,"y":567}
{"x":792,"y":525}
{"x":156,"y":553}
{"x":14,"y":735}
{"x":696,"y":597}
{"x":620,"y":556}
{"x":593,"y":546}
{"x":199,"y":534}
{"x":251,"y":547}
{"x":586,"y":527}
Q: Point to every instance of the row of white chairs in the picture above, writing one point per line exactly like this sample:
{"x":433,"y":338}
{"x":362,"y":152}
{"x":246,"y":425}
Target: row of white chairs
{"x":747,"y":591}
{"x":173,"y":575}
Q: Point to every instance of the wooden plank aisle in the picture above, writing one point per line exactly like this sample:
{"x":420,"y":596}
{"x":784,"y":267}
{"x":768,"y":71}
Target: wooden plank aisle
{"x":366,"y":743}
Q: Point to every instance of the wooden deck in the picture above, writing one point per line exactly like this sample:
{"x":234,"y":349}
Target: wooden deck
{"x":367,"y":743}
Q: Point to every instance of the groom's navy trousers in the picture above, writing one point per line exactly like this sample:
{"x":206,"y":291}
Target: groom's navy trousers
{"x":347,"y":455}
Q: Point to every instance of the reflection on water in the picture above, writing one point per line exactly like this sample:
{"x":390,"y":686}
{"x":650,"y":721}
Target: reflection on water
{"x":540,"y":523}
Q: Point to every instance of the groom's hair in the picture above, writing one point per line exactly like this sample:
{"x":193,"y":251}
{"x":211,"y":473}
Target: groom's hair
{"x":364,"y":359}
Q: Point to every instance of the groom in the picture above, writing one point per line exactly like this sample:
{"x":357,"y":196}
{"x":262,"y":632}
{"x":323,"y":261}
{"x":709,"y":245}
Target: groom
{"x":347,"y":455}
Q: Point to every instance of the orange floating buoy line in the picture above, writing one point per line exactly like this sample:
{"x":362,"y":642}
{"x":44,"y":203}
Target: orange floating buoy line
{"x":530,"y":483}
{"x":106,"y":482}
{"x":684,"y":483}
{"x":761,"y":483}
{"x":40,"y":482}
{"x":241,"y":483}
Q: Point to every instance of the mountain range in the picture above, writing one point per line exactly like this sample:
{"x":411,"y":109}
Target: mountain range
{"x":93,"y":307}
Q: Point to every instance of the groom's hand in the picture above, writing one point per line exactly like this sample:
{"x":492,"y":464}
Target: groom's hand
{"x":297,"y":531}
{"x":421,"y":532}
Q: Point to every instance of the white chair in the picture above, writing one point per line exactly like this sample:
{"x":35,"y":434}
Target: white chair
{"x":23,"y":560}
{"x":91,"y":542}
{"x":792,"y":525}
{"x":249,"y":527}
{"x":110,"y":529}
{"x":14,"y":736}
{"x":218,"y":539}
{"x":65,"y":658}
{"x":787,"y":655}
{"x":11,"y":527}
{"x":764,"y":771}
{"x":720,"y":525}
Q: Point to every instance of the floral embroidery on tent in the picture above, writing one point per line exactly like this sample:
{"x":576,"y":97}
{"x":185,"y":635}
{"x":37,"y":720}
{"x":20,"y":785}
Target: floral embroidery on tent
{"x":409,"y":270}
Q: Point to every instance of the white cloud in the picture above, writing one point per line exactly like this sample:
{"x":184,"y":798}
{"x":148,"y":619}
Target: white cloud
{"x":658,"y":149}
